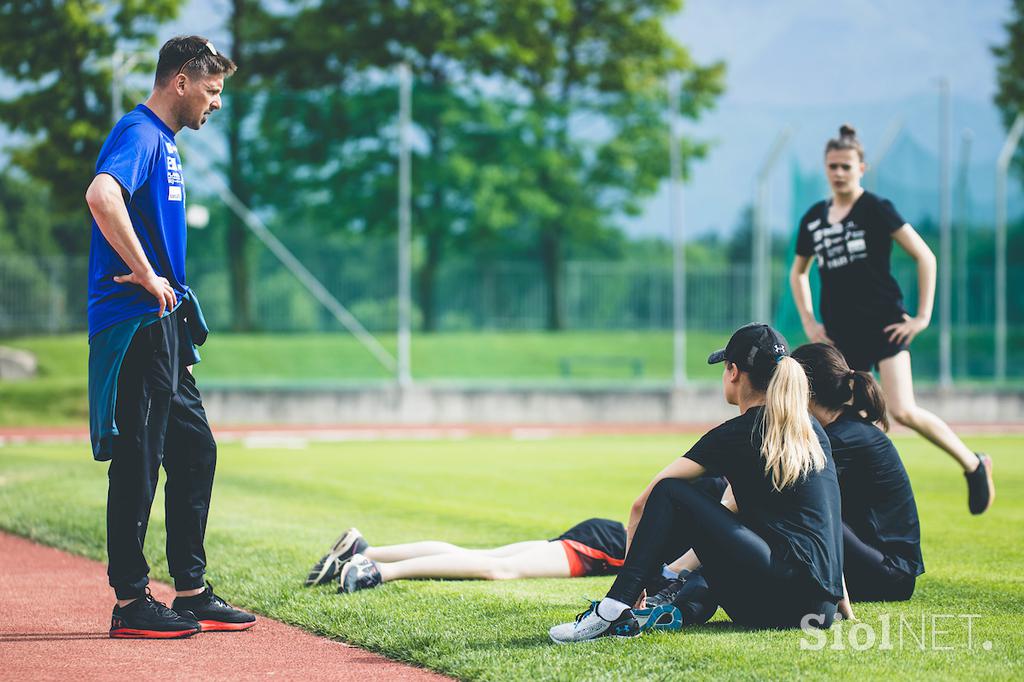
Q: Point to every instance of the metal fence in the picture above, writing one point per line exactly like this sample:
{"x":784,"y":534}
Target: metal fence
{"x":46,"y":295}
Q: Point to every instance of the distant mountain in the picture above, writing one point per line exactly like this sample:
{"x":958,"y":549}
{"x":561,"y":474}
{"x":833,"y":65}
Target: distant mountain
{"x":809,"y":66}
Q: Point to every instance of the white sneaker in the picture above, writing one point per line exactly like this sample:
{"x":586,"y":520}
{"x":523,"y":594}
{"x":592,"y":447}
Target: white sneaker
{"x":589,"y":625}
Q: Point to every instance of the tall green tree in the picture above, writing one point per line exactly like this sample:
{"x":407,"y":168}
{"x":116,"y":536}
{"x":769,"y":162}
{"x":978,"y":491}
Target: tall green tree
{"x":596,"y":64}
{"x":249,"y":25}
{"x":352,"y":47}
{"x":58,"y":57}
{"x":547,"y":66}
{"x":1010,"y":73}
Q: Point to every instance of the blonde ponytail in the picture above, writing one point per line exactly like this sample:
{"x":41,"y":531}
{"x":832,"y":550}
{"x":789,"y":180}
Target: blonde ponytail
{"x":790,"y":447}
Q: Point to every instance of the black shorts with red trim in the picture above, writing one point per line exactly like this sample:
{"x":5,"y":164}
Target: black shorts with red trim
{"x":598,"y":546}
{"x":594,"y":547}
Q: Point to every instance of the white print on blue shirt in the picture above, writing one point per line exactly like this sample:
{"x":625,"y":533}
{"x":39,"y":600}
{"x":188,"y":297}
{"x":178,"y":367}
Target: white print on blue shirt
{"x":175,"y":180}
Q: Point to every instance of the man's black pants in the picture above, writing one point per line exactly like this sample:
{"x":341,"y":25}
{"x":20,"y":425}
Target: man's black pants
{"x":160,"y":420}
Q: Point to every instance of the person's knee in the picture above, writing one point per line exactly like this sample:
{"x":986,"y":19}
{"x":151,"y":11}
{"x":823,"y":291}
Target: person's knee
{"x":204,"y":459}
{"x":209,"y":449}
{"x":904,"y":414}
{"x":501,"y":570}
{"x":673,"y":488}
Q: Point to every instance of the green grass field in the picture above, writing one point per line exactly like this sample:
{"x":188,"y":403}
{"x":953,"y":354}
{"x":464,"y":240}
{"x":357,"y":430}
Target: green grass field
{"x":276,"y":510}
{"x":58,"y":394}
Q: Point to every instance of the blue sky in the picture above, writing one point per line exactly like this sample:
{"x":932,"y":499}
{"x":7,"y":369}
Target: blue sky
{"x":809,"y":66}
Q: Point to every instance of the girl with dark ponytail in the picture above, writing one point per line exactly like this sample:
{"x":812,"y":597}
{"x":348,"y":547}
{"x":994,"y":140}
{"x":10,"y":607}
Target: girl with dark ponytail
{"x":850,"y":237}
{"x":881,"y":532}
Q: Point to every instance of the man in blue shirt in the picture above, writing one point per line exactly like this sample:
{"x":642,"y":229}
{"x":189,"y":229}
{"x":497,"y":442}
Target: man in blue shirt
{"x":144,"y":323}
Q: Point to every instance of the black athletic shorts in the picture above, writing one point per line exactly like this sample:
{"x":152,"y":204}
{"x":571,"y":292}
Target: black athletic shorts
{"x":594,"y":547}
{"x":867,"y":346}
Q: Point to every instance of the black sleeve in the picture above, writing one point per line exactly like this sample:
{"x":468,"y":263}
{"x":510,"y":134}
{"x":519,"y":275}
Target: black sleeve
{"x":804,"y":243}
{"x":888,"y":217}
{"x":710,"y":452}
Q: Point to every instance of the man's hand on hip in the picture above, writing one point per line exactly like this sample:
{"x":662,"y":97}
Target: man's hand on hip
{"x":158,"y":286}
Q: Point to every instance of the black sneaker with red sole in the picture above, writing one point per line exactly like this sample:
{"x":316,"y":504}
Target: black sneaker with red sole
{"x":213,"y":613}
{"x":146,"y":618}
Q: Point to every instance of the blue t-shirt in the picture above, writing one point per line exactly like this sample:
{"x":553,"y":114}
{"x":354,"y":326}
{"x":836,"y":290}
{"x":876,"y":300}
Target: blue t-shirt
{"x":141,"y":155}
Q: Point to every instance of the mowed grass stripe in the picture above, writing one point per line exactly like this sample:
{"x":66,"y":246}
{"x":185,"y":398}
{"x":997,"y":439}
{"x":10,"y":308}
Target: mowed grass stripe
{"x":276,"y":511}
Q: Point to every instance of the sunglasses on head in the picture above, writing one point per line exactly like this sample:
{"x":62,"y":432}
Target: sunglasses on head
{"x":837,"y":166}
{"x":206,"y":46}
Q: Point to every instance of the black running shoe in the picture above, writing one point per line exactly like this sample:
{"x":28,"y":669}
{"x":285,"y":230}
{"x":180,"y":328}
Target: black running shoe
{"x":213,"y":613}
{"x":146,"y":618}
{"x":981,"y":491}
{"x":326,"y":570}
{"x":668,"y":593}
{"x":359,"y":573}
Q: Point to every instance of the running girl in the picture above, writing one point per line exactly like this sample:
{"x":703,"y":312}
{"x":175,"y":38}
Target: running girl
{"x":850,"y":237}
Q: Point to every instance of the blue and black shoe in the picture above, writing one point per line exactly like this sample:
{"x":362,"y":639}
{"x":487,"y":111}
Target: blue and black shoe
{"x":662,"y":617}
{"x":589,"y":625}
{"x":358,"y":573}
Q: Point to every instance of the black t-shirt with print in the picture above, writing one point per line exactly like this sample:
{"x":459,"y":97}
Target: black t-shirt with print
{"x":853,"y":256}
{"x":878,"y":502}
{"x":802,"y":523}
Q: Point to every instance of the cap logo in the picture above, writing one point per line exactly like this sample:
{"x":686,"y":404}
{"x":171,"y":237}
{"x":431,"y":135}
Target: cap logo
{"x":779,"y":349}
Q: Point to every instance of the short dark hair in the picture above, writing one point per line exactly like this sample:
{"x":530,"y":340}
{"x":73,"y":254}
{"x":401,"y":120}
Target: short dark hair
{"x":192,"y":55}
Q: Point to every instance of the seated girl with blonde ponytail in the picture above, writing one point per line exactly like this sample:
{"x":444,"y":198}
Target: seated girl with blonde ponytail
{"x":881,"y":532}
{"x":777,"y":560}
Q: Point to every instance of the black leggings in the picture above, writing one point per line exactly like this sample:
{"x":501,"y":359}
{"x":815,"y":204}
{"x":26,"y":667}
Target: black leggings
{"x":868,"y":576}
{"x":754,"y":588}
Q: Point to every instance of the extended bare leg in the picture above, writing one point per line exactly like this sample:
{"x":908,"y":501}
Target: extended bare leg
{"x":898,"y":384}
{"x":542,"y":560}
{"x":413,"y":550}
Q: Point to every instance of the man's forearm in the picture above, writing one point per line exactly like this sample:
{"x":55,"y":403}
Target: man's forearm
{"x":107,"y":206}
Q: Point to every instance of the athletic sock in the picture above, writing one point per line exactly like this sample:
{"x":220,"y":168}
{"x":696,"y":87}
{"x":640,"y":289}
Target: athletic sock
{"x":610,"y":609}
{"x":667,"y":572}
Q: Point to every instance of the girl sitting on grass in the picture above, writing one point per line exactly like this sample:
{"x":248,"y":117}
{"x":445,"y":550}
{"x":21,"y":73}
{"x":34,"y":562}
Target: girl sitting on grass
{"x":881,"y":532}
{"x":777,"y":562}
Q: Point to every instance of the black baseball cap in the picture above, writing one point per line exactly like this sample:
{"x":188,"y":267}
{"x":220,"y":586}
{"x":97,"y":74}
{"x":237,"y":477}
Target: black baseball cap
{"x":753,"y":346}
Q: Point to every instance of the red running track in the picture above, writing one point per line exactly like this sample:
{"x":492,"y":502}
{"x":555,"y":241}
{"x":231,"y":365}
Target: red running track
{"x":55,"y":611}
{"x":266,"y":434}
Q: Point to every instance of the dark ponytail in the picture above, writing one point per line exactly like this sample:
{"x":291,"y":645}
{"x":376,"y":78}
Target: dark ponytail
{"x":868,"y":399}
{"x":834,"y":385}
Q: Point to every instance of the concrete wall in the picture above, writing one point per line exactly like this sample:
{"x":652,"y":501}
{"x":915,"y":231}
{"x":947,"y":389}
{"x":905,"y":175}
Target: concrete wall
{"x":427,"y":404}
